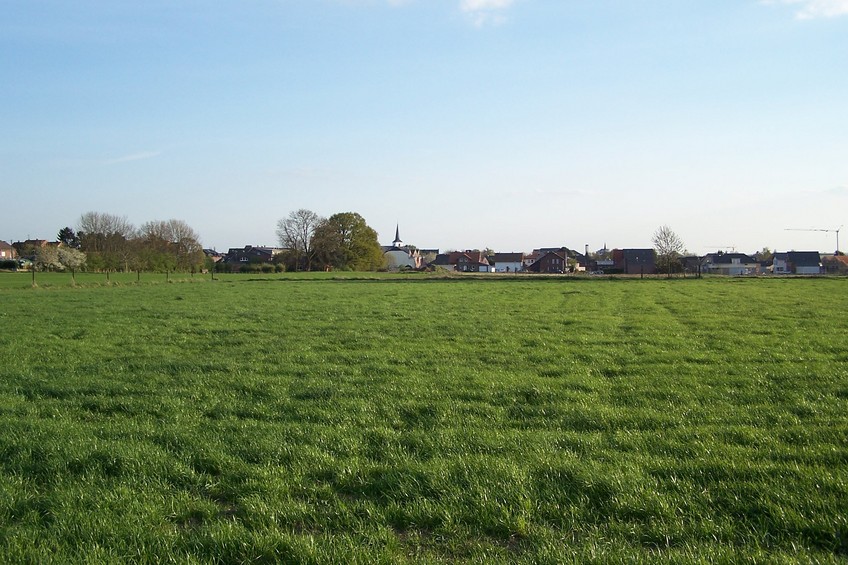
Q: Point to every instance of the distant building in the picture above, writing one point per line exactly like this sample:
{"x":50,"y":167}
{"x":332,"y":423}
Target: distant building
{"x":214,"y":255}
{"x":575,"y":261}
{"x":250,"y":254}
{"x":730,"y":264}
{"x":509,"y":262}
{"x":400,"y":256}
{"x":442,"y":261}
{"x":28,"y":249}
{"x":797,"y":263}
{"x":692,"y":264}
{"x":7,"y":251}
{"x":635,"y":261}
{"x":604,"y":265}
{"x":550,"y":262}
{"x":471,"y":261}
{"x":835,"y":264}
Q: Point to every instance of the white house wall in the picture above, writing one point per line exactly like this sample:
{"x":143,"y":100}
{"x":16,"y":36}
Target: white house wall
{"x":399,"y":259}
{"x":513,"y":267}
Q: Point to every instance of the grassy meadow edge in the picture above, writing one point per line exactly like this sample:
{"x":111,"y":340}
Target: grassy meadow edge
{"x":378,"y":418}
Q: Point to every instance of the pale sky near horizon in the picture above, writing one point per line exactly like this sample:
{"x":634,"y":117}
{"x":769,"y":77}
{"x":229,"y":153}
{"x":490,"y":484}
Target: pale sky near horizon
{"x":509,"y":124}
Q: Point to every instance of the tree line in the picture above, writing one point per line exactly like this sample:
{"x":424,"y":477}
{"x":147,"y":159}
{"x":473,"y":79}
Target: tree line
{"x":107,"y":242}
{"x":344,"y":241}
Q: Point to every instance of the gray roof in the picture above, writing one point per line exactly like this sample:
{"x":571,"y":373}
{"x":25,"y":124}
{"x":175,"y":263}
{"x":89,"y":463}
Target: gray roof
{"x":727,"y":258}
{"x":804,"y":258}
{"x":441,"y":259}
{"x":639,"y":256}
{"x":509,"y":257}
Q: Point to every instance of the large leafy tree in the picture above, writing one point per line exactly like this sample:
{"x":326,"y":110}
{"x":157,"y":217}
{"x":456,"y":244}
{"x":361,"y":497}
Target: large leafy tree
{"x":295,"y":234}
{"x":345,"y":241}
{"x":668,"y":246}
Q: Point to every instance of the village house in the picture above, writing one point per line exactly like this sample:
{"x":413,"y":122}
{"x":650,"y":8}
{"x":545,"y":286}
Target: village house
{"x":442,"y":261}
{"x":797,"y":263}
{"x":214,"y":255}
{"x":730,"y":264}
{"x":249,"y":254}
{"x":468,"y":261}
{"x":550,"y":262}
{"x":509,"y":262}
{"x":635,"y":261}
{"x":574,"y":260}
{"x":7,"y":252}
{"x":28,"y":248}
{"x":471,"y":262}
{"x":835,"y":264}
{"x":692,"y":264}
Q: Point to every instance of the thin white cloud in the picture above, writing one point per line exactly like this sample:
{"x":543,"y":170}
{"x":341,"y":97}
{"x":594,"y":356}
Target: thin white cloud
{"x":551,"y":193}
{"x":479,"y":12}
{"x":812,"y":9}
{"x":103,"y":162}
{"x":839,"y":190}
{"x":485,"y":12}
{"x":132,"y":157}
{"x":374,"y":2}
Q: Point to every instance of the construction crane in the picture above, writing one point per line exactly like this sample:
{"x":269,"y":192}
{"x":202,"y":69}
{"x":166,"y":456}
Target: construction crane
{"x":725,"y":248}
{"x":821,"y":229}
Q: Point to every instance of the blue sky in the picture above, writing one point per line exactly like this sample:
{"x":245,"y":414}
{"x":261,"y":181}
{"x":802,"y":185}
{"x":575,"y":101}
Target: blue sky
{"x":509,"y":124}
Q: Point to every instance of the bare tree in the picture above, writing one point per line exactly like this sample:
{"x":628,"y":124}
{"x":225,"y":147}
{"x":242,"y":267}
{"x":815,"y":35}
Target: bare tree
{"x":97,"y":228}
{"x":170,"y":244}
{"x":106,"y":238}
{"x":668,"y":246}
{"x":295,"y":233}
{"x":187,"y":241}
{"x":112,"y":243}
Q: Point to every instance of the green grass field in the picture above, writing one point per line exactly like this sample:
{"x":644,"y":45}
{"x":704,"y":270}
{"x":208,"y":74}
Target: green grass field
{"x":324,"y":419}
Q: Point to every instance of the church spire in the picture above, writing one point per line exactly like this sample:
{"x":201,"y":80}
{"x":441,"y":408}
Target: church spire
{"x":397,"y":242}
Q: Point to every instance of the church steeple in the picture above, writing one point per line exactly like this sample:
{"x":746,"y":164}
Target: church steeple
{"x":397,"y":242}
